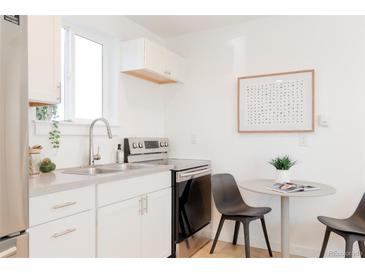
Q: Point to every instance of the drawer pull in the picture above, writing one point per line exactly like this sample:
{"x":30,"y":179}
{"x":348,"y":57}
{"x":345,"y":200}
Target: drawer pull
{"x":67,"y":231}
{"x":64,"y":205}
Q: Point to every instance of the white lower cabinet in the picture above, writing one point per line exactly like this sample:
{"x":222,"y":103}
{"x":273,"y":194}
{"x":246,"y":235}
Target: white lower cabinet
{"x":139,"y":227}
{"x":125,"y":218}
{"x":156,"y":225}
{"x":73,"y":236}
{"x":119,"y":230}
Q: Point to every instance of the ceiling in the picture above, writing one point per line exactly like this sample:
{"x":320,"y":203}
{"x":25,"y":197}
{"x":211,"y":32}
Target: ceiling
{"x":173,"y":25}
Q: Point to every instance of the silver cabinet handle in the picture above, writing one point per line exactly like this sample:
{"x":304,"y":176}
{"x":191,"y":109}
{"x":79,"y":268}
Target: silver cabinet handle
{"x":146,"y":207}
{"x":141,"y":206}
{"x":9,"y":252}
{"x":67,"y":231}
{"x":64,"y":205}
{"x":59,"y":85}
{"x":188,"y":174}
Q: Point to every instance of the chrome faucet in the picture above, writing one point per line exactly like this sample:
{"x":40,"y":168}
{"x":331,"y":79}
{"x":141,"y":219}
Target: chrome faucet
{"x":94,"y":157}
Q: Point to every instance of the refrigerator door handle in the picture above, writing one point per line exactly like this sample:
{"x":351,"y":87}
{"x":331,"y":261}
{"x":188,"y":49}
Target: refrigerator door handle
{"x":9,"y":252}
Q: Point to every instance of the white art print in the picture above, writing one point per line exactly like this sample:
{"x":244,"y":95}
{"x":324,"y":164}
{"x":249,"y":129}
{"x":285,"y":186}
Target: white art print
{"x":282,"y":102}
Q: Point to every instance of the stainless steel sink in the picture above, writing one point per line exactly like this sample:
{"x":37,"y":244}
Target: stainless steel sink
{"x":127,"y":166}
{"x":105,"y":169}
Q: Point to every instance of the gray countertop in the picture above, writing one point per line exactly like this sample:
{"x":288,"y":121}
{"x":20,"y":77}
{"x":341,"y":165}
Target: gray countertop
{"x":46,"y":183}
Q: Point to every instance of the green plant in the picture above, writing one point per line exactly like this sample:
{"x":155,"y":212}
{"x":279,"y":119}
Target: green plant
{"x":47,"y":165}
{"x":282,"y":163}
{"x":43,"y":113}
{"x":55,"y":135}
{"x":46,"y":113}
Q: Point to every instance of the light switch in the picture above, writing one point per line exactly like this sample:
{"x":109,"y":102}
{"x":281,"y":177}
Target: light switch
{"x":193,"y":139}
{"x":302,"y":140}
{"x":323,"y":121}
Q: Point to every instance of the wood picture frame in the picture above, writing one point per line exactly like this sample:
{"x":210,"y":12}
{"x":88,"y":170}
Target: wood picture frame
{"x":270,"y":87}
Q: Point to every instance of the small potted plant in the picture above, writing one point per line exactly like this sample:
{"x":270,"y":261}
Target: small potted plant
{"x":282,"y":165}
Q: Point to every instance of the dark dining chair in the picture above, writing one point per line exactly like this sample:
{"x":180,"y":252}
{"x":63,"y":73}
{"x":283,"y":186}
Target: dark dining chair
{"x":230,"y":204}
{"x":351,"y":229}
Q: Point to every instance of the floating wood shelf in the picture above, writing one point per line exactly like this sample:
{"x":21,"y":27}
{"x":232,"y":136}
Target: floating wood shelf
{"x":149,"y":76}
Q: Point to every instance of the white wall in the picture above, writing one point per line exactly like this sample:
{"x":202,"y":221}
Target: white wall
{"x":205,"y":108}
{"x":141,"y":108}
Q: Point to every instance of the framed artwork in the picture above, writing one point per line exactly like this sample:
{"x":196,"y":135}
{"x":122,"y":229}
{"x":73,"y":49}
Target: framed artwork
{"x":278,"y":102}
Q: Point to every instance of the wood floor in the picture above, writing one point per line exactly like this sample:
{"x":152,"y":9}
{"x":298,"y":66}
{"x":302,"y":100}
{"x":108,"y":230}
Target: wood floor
{"x":227,"y":250}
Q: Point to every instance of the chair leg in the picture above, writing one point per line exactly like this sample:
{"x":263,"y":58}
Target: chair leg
{"x":362,"y":248}
{"x":217,"y":234}
{"x":266,"y":236}
{"x":246,"y":232}
{"x":348,"y":249}
{"x":236,"y":231}
{"x":325,"y":241}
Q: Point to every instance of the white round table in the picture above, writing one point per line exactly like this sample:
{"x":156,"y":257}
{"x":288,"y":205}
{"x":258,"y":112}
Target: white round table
{"x":260,"y":186}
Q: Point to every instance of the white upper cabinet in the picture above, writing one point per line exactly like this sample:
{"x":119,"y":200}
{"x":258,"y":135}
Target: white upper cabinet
{"x":44,"y":59}
{"x":145,"y":59}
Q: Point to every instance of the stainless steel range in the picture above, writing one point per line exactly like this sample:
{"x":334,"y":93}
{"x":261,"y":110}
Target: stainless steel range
{"x":191,"y":192}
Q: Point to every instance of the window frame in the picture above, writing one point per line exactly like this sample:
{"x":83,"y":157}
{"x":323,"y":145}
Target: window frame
{"x":69,"y":72}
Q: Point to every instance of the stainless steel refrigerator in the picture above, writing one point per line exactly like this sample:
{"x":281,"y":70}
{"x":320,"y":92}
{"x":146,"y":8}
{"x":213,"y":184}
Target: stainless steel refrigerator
{"x":13,"y":137}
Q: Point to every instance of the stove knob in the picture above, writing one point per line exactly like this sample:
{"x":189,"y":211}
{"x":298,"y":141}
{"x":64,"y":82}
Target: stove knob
{"x":161,"y":144}
{"x":134,"y":145}
{"x":140,"y":145}
{"x":166,"y":144}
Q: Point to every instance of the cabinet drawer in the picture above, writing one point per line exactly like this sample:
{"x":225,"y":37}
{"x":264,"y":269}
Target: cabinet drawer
{"x":112,"y":192}
{"x":72,"y":236}
{"x":53,"y":206}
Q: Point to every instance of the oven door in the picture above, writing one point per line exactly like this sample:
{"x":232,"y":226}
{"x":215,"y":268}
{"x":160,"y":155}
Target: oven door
{"x":193,"y":202}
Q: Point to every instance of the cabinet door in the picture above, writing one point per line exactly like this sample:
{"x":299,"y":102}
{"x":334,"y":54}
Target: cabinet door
{"x":44,"y":62}
{"x":70,"y":237}
{"x":174,"y":67}
{"x":155,"y":57}
{"x":118,"y":230}
{"x":156,"y":225}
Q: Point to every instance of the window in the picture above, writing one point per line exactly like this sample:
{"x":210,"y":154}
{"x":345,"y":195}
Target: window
{"x":89,"y":81}
{"x":88,"y":89}
{"x":83,"y":66}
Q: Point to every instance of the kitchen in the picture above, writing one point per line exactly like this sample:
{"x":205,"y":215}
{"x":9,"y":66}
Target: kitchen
{"x":72,"y":206}
{"x":115,"y":191}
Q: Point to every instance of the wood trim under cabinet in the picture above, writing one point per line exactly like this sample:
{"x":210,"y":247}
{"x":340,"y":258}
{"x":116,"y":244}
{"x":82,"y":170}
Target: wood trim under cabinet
{"x":149,"y":76}
{"x":39,"y":104}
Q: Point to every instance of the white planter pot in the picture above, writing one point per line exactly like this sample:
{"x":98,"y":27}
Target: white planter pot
{"x":282,"y":176}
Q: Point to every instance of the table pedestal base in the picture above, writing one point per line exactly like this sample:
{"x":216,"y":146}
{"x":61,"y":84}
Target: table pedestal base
{"x":285,"y":229}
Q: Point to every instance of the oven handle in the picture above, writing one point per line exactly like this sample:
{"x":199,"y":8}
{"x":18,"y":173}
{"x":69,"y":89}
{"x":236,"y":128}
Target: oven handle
{"x":190,"y":174}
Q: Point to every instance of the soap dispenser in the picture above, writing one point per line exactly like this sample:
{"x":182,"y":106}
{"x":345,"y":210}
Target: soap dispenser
{"x":120,"y":159}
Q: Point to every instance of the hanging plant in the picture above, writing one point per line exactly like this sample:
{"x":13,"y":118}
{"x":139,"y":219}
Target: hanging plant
{"x":43,"y":113}
{"x":50,"y":113}
{"x":55,"y":135}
